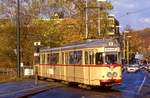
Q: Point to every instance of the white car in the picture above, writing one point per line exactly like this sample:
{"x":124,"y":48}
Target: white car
{"x":148,"y":67}
{"x":133,"y":68}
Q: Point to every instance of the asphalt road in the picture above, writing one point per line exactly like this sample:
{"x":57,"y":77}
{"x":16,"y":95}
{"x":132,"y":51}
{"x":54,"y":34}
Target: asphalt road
{"x":135,"y":85}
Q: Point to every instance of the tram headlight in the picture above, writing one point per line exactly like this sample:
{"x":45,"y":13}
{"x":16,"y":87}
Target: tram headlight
{"x":115,"y":74}
{"x":109,"y":74}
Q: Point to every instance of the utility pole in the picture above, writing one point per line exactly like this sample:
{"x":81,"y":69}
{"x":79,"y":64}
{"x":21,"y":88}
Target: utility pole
{"x":128,"y":50}
{"x":124,"y":46}
{"x":99,"y":18}
{"x":18,"y":38}
{"x":86,"y":20}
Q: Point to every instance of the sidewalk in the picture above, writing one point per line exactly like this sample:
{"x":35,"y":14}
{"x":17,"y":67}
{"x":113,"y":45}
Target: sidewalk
{"x":20,"y":88}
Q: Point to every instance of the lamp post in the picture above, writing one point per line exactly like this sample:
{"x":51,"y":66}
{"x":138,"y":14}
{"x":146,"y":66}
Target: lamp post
{"x":36,"y":60}
{"x":18,"y":38}
{"x":124,"y":46}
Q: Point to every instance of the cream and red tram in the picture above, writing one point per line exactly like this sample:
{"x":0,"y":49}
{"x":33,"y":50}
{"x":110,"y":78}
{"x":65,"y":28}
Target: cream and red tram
{"x":93,"y":62}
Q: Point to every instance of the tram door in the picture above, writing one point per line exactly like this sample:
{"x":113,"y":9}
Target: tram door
{"x":89,"y":57}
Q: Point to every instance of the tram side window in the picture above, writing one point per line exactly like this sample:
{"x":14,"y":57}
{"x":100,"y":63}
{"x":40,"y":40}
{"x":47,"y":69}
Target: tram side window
{"x":75,"y":57}
{"x":78,"y":57}
{"x":71,"y":58}
{"x":38,"y":59}
{"x":91,"y":55}
{"x":86,"y":57}
{"x":48,"y":58}
{"x":66,"y":58}
{"x":54,"y":58}
{"x":43,"y":58}
{"x":62,"y":58}
{"x":99,"y":58}
{"x":111,"y":58}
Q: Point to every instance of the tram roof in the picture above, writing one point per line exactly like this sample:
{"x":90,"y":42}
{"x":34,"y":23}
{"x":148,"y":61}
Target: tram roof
{"x":90,"y":43}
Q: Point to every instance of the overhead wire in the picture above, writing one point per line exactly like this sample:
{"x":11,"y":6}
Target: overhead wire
{"x":135,"y":12}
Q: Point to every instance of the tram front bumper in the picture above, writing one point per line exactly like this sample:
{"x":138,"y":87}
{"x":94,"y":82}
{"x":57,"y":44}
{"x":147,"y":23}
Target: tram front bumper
{"x":110,"y":81}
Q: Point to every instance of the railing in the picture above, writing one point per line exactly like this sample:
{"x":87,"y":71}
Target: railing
{"x":7,"y":74}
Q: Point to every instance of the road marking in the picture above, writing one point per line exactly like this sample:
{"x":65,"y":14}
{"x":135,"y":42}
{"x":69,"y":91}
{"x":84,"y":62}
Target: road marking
{"x":140,"y":87}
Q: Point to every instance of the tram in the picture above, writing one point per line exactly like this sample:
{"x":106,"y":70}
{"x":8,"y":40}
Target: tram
{"x":94,"y":62}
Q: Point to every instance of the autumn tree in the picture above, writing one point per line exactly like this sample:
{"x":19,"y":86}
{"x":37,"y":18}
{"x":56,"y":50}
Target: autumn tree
{"x":28,"y":11}
{"x":54,"y":31}
{"x":7,"y":43}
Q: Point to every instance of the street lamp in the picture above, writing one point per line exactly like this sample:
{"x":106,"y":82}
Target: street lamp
{"x":36,"y":60}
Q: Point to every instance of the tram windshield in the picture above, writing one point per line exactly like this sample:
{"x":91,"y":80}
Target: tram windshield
{"x":111,"y":58}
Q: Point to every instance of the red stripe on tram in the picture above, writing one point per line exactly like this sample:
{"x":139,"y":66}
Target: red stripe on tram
{"x":80,"y":65}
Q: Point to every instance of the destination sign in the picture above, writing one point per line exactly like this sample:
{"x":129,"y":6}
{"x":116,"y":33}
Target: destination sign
{"x":111,"y":49}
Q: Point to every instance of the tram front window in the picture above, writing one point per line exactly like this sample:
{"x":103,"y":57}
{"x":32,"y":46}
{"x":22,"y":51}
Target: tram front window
{"x":111,"y":58}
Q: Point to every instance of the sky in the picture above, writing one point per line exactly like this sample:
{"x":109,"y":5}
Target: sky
{"x":138,"y":16}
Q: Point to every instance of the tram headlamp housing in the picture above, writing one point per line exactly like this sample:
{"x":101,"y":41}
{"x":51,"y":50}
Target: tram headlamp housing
{"x":115,"y":74}
{"x":109,"y":74}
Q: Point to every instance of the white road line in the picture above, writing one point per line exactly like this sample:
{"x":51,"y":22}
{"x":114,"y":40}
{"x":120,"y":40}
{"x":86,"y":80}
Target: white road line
{"x":140,"y":87}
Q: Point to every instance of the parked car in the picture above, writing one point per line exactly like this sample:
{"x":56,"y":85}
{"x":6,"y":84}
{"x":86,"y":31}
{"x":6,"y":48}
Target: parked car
{"x":148,"y":67}
{"x":124,"y":67}
{"x":133,"y":68}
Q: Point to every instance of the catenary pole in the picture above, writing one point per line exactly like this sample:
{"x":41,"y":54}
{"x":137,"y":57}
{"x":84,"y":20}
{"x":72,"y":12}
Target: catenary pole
{"x":18,"y":38}
{"x":86,"y":19}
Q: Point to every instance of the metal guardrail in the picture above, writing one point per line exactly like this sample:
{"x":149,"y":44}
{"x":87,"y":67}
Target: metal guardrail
{"x":7,"y":74}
